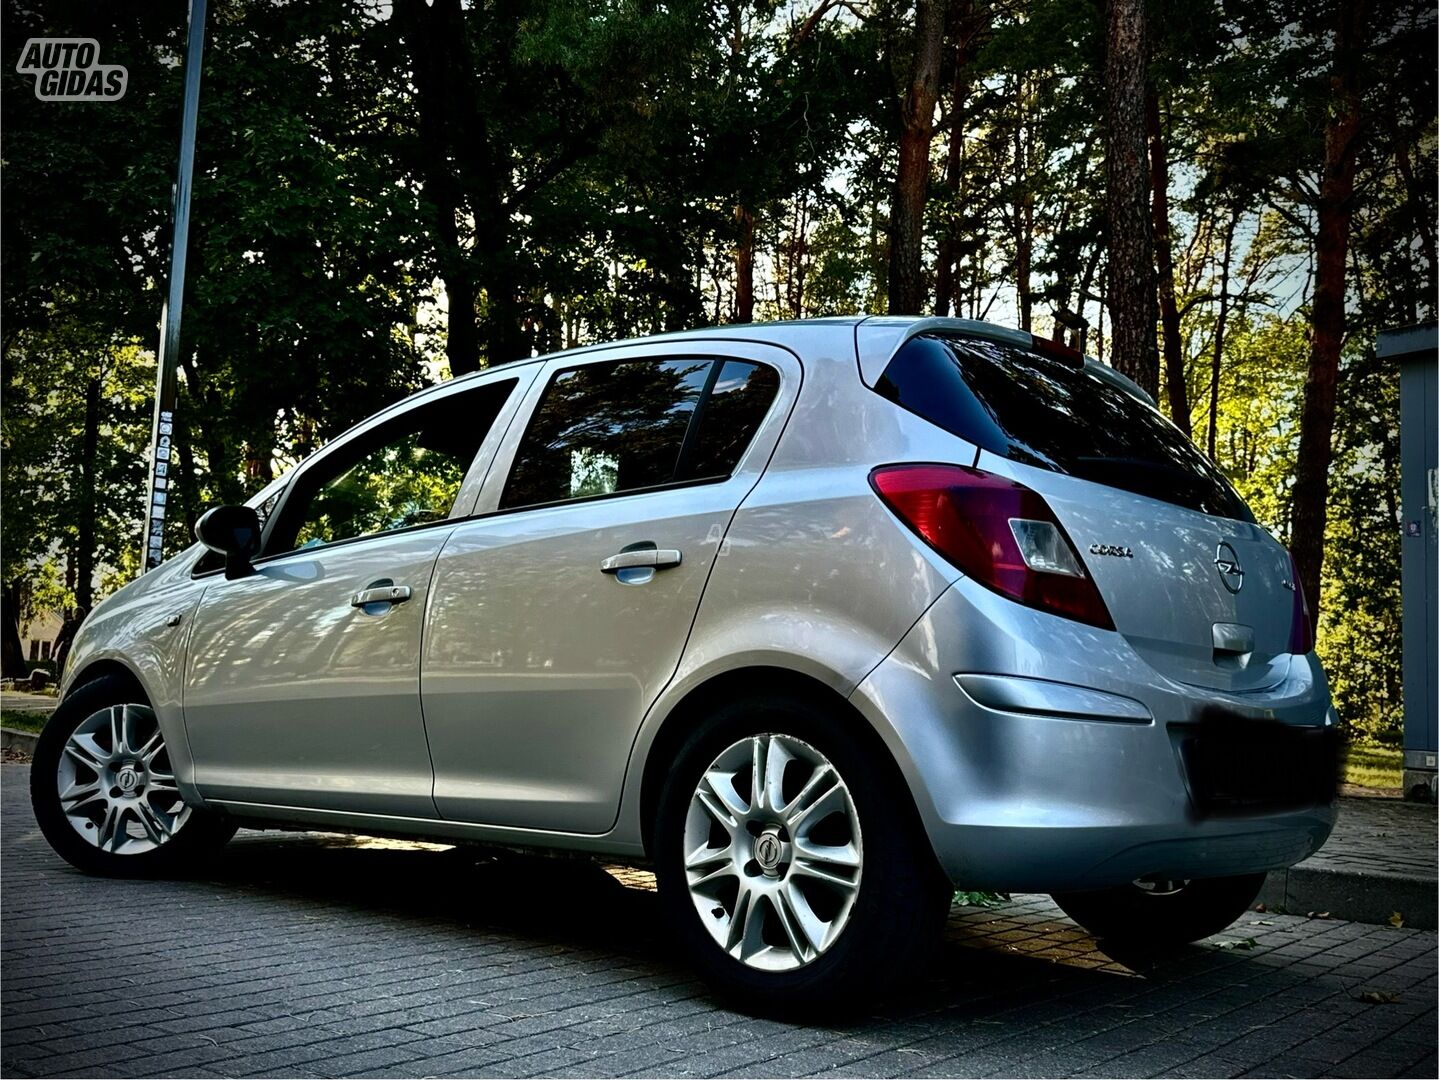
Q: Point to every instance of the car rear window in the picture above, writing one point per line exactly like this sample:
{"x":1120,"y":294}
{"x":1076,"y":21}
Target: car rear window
{"x":1045,"y":412}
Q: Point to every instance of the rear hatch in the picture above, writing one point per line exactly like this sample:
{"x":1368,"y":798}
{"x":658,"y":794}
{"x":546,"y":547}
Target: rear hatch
{"x":1202,"y":593}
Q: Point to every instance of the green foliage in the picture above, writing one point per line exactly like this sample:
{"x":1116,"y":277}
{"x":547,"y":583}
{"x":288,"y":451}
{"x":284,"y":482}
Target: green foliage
{"x":24,"y":720}
{"x":1360,"y":626}
{"x":46,"y":374}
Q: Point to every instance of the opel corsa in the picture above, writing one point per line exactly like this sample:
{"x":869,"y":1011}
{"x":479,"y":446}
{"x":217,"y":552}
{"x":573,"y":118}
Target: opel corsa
{"x":820,"y":619}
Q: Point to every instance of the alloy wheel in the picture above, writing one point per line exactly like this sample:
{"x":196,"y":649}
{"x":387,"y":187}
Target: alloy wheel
{"x":772,"y":852}
{"x":116,"y":784}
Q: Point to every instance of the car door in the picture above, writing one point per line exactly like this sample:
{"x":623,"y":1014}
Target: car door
{"x":302,"y":682}
{"x":560,"y":611}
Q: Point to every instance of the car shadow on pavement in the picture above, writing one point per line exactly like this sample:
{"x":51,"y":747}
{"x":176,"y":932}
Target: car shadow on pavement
{"x":1024,"y":951}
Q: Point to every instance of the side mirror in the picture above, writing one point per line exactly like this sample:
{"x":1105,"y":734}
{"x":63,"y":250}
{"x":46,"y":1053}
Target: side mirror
{"x":233,"y":531}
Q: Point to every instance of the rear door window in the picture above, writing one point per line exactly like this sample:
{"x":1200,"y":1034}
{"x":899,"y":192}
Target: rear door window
{"x":606,"y":429}
{"x":1046,"y":412}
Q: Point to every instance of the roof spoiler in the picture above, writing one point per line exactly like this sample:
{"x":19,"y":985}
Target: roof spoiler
{"x":1124,"y":382}
{"x":879,"y":337}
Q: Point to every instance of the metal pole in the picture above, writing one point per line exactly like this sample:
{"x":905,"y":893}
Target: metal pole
{"x":162,"y":430}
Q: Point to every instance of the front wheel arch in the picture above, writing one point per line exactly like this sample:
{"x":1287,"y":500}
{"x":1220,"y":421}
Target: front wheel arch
{"x":110,"y":668}
{"x":202,"y":832}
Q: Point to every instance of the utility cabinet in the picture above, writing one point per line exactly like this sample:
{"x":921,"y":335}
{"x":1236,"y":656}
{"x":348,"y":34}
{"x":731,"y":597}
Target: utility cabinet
{"x":1413,"y":349}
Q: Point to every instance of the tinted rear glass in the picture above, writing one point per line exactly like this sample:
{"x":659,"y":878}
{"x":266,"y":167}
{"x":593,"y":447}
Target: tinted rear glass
{"x":1045,"y":412}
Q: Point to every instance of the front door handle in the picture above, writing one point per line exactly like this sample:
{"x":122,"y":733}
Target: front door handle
{"x":655,"y":558}
{"x":388,"y":594}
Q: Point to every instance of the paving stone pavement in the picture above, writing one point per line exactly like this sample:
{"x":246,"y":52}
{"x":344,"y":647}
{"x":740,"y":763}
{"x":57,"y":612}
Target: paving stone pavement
{"x":314,"y":955}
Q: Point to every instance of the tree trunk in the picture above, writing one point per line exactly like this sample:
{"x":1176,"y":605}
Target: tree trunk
{"x":462,"y":334}
{"x":946,"y":285}
{"x":744,"y":266}
{"x":1164,"y":264}
{"x":1423,"y":223}
{"x":222,"y":471}
{"x":85,"y":516}
{"x":1316,"y":422}
{"x":1101,"y":337}
{"x":502,"y":337}
{"x":183,"y":499}
{"x":1217,"y":356}
{"x":799,"y":253}
{"x":1079,"y":339}
{"x":1023,"y":213}
{"x":1131,"y":261}
{"x":12,"y":657}
{"x":911,"y":185}
{"x":451,"y":139}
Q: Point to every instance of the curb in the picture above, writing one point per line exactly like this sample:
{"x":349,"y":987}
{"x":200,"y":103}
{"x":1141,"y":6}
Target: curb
{"x":1370,"y":897}
{"x":11,"y":739}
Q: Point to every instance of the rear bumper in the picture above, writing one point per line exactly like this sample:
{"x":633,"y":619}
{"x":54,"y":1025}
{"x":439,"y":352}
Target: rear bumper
{"x":1025,"y":785}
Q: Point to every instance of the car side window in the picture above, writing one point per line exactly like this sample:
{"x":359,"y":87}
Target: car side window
{"x":403,"y":473}
{"x":606,"y":428}
{"x":730,"y":416}
{"x":394,"y":486}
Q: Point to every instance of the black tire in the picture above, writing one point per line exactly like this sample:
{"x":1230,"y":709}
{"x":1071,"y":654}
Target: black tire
{"x":903,"y":898}
{"x":198,"y":836}
{"x":1149,"y":918}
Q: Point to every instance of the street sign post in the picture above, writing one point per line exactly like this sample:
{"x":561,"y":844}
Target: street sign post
{"x":162,"y":431}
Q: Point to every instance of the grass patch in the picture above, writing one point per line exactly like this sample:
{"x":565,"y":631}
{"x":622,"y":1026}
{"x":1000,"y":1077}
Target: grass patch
{"x":23,"y":719}
{"x":1374,"y":766}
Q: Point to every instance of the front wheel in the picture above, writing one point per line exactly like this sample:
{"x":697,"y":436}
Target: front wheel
{"x":104,"y":792}
{"x":789,"y":865}
{"x":1157,"y":912}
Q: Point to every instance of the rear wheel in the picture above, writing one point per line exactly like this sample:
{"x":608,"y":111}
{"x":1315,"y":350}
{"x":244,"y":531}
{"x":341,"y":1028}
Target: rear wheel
{"x":790,"y":868}
{"x":1157,"y":912}
{"x":104,"y":792}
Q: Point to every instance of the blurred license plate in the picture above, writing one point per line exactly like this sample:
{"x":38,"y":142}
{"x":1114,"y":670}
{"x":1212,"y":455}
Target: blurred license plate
{"x":1237,"y":765}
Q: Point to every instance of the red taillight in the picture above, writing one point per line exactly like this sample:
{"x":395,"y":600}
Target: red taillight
{"x":1301,"y":626}
{"x":976,"y":520}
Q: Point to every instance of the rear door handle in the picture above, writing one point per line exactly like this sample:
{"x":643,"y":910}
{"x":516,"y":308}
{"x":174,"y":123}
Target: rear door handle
{"x":388,"y":594}
{"x":657,"y":558}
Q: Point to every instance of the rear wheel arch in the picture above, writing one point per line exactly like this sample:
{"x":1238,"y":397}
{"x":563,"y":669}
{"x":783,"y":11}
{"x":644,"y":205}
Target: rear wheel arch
{"x":762,"y":681}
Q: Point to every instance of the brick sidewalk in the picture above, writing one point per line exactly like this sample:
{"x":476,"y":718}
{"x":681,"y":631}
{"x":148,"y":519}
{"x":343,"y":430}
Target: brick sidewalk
{"x":323,"y":956}
{"x":1379,"y":862}
{"x":1386,"y":836}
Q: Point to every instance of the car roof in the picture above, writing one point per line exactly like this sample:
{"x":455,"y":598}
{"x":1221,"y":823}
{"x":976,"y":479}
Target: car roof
{"x":876,"y":337}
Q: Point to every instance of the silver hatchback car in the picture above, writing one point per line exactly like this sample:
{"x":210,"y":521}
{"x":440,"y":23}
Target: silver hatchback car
{"x":820,"y":619}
